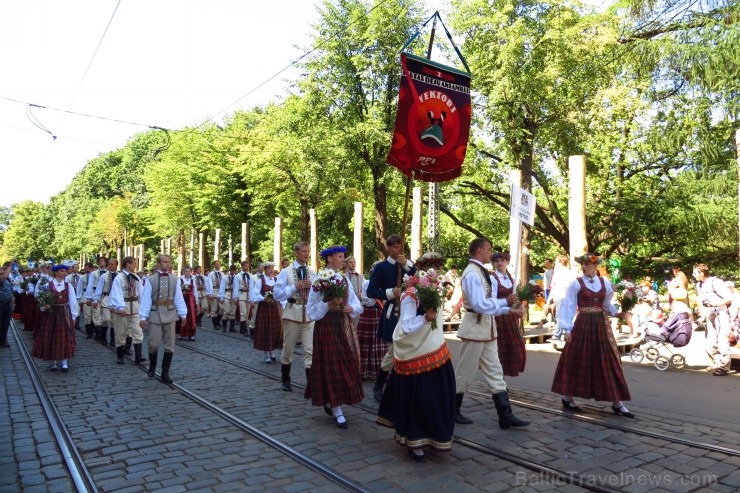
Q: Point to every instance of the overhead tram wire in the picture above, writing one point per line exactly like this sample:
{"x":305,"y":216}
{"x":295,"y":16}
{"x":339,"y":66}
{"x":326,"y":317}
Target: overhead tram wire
{"x":320,"y":45}
{"x":87,"y":70}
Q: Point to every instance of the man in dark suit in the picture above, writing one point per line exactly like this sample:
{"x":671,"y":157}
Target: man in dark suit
{"x":385,"y":285}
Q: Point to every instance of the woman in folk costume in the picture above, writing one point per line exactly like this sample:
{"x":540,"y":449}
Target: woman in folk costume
{"x":334,"y":378}
{"x":511,"y":351}
{"x":29,"y":309}
{"x":190,"y":294}
{"x":372,"y":347}
{"x":55,"y":339}
{"x":589,"y":366}
{"x":419,"y":400}
{"x":268,"y":324}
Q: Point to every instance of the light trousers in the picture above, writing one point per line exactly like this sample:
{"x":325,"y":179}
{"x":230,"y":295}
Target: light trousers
{"x":291,"y":332}
{"x":483,"y":355}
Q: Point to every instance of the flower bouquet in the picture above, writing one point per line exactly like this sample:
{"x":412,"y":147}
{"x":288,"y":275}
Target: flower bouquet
{"x":44,"y":296}
{"x":528,"y":292}
{"x":186,"y":288}
{"x":626,"y":295}
{"x":428,"y":285}
{"x":329,"y":284}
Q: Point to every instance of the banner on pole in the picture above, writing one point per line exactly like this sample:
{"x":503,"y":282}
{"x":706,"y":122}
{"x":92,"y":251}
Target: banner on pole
{"x":523,"y":205}
{"x":433,"y":120}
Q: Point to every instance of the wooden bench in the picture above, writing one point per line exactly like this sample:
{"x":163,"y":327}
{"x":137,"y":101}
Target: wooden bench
{"x":536,"y":336}
{"x":451,"y":326}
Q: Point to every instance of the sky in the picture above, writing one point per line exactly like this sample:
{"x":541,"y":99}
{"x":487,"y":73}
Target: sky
{"x":166,"y":63}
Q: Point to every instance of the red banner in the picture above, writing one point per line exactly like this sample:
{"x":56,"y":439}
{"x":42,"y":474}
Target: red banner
{"x":433,"y":120}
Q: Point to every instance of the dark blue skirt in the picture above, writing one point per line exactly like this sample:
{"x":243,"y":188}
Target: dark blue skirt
{"x":421,"y":408}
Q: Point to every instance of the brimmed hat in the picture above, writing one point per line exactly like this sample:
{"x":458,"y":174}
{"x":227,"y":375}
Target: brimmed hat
{"x":430,"y":260}
{"x":589,"y":258}
{"x":332,"y":250}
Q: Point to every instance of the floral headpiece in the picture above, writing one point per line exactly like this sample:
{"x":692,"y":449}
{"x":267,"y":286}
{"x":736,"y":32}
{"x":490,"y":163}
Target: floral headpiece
{"x":430,"y":260}
{"x":267,"y":264}
{"x":501,"y":256}
{"x":332,"y":250}
{"x":589,"y":258}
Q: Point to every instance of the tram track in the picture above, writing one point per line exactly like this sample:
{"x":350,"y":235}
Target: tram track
{"x":75,"y":465}
{"x":562,"y":477}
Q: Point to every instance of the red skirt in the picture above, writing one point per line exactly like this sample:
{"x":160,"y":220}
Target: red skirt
{"x":589,"y":366}
{"x":372,"y":349}
{"x":55,"y":336}
{"x":335,"y":370}
{"x":268,"y":326}
{"x":29,"y":311}
{"x":511,"y":350}
{"x":187,"y":328}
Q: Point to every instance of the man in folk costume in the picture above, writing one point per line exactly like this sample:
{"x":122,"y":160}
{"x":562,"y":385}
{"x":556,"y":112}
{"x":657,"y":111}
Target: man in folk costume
{"x":202,"y":301}
{"x":385,"y":285}
{"x":124,"y":304}
{"x":102,"y":293}
{"x":479,"y":348}
{"x":86,"y":308}
{"x":293,"y":285}
{"x":215,"y":306}
{"x":240,"y":293}
{"x":73,"y":278}
{"x":162,"y":304}
{"x":92,"y":283}
{"x":226,"y":296}
{"x":258,"y":279}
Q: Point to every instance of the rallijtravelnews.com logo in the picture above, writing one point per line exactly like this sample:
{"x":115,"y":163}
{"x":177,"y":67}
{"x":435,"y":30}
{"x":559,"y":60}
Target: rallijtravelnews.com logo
{"x":622,"y":479}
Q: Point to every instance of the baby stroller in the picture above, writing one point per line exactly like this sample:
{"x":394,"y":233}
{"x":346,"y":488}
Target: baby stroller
{"x":660,"y":336}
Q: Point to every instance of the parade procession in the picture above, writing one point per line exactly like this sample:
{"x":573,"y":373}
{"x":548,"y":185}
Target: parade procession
{"x":370,"y":246}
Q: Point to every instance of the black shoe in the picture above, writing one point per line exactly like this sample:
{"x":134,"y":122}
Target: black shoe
{"x":342,"y":425}
{"x":459,"y":418}
{"x":327,"y":409}
{"x":191,"y":339}
{"x":414,"y":457}
{"x":618,"y":411}
{"x":65,"y":369}
{"x":570,"y":406}
{"x":379,"y":385}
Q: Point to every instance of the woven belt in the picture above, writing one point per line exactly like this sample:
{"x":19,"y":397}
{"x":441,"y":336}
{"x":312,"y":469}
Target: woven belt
{"x":106,"y":294}
{"x":163,"y":302}
{"x":591,"y":309}
{"x":296,"y":302}
{"x":134,"y":298}
{"x":243,"y":290}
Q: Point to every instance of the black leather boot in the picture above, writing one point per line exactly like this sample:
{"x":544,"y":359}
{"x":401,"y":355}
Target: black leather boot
{"x":308,"y":374}
{"x":112,"y":336}
{"x":89,"y":331}
{"x":137,"y":350}
{"x":152,"y":364}
{"x":506,"y":418}
{"x":120,"y":354}
{"x":285,"y":374}
{"x":459,"y":418}
{"x":379,"y":384}
{"x":166,"y":362}
{"x":129,"y":341}
{"x":97,"y":332}
{"x":243,"y":328}
{"x":199,"y":319}
{"x":251,"y":333}
{"x":232,"y":323}
{"x":215,"y":322}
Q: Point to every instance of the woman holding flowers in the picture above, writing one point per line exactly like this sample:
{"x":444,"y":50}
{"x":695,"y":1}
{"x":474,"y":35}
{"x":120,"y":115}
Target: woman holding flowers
{"x":511,"y":350}
{"x":334,"y":378}
{"x":268,"y":324}
{"x":55,"y":340}
{"x":419,"y":400}
{"x":589,"y":366}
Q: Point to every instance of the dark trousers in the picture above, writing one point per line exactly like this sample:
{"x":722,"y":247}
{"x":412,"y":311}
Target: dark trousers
{"x":5,"y":314}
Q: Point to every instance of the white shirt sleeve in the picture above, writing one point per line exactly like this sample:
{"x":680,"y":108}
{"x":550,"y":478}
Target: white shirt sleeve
{"x":222,"y":289}
{"x":99,"y":289}
{"x":473,"y":287}
{"x":316,"y":308}
{"x":409,"y":320}
{"x":180,"y":307}
{"x":115,"y":300}
{"x":145,"y":301}
{"x":208,"y":285}
{"x":74,"y":306}
{"x":354,"y":302}
{"x":282,"y":291}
